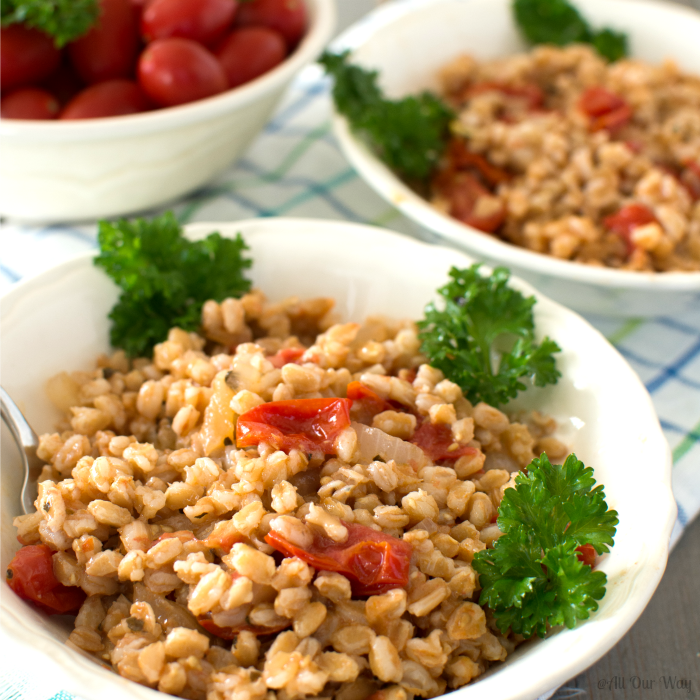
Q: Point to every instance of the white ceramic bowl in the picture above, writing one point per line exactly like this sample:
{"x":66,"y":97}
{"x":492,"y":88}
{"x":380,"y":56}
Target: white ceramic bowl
{"x":605,"y":413}
{"x":443,"y":29}
{"x":87,"y":169}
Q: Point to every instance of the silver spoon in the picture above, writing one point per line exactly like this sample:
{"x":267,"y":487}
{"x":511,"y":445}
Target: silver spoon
{"x":27,"y":442}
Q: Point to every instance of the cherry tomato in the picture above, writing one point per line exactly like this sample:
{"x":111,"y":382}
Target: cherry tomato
{"x":200,"y":20}
{"x":29,"y":103}
{"x":436,"y":439}
{"x":627,"y":219}
{"x":111,"y":98}
{"x":175,"y":71}
{"x":366,"y":403}
{"x":373,"y":561}
{"x":605,"y":109}
{"x":26,"y":56}
{"x":109,"y":49}
{"x":472,"y":203}
{"x":286,"y":356}
{"x":461,"y":158}
{"x":30,"y":575}
{"x":586,"y":553}
{"x":249,"y":52}
{"x":305,"y":424}
{"x":288,"y":17}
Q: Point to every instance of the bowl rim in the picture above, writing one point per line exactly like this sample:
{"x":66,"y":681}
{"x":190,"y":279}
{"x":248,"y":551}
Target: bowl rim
{"x":322,"y":20}
{"x":453,"y":232}
{"x":84,"y":670}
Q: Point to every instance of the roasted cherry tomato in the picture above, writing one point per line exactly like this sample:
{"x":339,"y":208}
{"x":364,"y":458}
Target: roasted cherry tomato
{"x":26,"y":56}
{"x":311,"y":425}
{"x":461,"y":158}
{"x":586,"y":553}
{"x":436,"y":439}
{"x":605,"y":109}
{"x":366,"y":403}
{"x":30,"y":575}
{"x":286,"y":356}
{"x":109,"y":49}
{"x":373,"y":561}
{"x":29,"y":103}
{"x":111,"y":98}
{"x":249,"y":52}
{"x":200,"y":20}
{"x":288,"y":17}
{"x":175,"y":71}
{"x":471,"y":202}
{"x":627,"y":219}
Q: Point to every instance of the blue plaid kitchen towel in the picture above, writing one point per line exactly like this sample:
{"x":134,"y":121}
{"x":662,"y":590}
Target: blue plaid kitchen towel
{"x":295,"y":168}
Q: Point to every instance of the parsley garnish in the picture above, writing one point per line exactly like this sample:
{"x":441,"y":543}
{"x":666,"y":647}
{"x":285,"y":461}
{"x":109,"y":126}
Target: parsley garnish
{"x":165,"y":278}
{"x":64,"y":20}
{"x":484,"y":338}
{"x":558,"y":22}
{"x":409,"y":135}
{"x":532,"y":578}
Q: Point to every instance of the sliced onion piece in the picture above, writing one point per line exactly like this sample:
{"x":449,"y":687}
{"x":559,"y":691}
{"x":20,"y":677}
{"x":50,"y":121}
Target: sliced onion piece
{"x":373,"y":443}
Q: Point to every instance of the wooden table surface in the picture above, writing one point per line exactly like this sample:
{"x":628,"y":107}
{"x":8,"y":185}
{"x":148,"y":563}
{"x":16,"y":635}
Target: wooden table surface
{"x":659,"y":659}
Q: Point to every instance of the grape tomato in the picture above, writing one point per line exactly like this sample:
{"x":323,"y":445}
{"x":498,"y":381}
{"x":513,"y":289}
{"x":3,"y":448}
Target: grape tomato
{"x":26,"y":56}
{"x":176,"y":71}
{"x":288,"y":17}
{"x":204,"y":21}
{"x":248,"y":52}
{"x":111,"y":98}
{"x":109,"y":49}
{"x":29,"y":103}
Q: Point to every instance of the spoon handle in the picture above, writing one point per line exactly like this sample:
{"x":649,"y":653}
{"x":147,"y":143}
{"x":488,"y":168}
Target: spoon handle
{"x":27,"y":442}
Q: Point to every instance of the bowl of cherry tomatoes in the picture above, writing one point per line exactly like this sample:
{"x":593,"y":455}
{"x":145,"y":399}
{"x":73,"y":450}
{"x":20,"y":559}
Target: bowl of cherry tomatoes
{"x":151,"y":100}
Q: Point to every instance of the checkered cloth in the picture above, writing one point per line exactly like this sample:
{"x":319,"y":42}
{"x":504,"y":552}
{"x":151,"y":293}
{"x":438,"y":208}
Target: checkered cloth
{"x":295,"y":169}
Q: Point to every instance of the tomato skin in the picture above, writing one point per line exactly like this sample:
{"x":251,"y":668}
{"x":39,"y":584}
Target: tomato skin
{"x":310,"y":425}
{"x":111,"y":98}
{"x":204,"y":21}
{"x":249,"y":52}
{"x":26,"y":56}
{"x":586,"y":553}
{"x":176,"y":71}
{"x":366,"y":403}
{"x":624,"y":221}
{"x":461,"y":158}
{"x":463,"y":191}
{"x":109,"y":49}
{"x":30,"y":575}
{"x":286,"y":356}
{"x":29,"y":103}
{"x":434,"y":439}
{"x":605,"y":109}
{"x":373,"y":561}
{"x":288,"y":17}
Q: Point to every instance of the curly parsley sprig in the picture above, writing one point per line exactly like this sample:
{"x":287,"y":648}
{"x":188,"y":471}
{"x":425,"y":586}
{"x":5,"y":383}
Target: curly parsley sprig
{"x":484,"y":337}
{"x":165,"y":278}
{"x":64,"y":20}
{"x":532,"y":578}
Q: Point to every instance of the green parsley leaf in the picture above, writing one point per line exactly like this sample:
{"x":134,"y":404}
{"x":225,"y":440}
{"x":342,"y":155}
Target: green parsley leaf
{"x":560,"y":23}
{"x":64,"y":20}
{"x":484,"y":340}
{"x":165,"y":278}
{"x":409,"y":135}
{"x":532,"y":578}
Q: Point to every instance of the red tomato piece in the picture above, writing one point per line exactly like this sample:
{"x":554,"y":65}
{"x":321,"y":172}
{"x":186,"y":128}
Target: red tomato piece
{"x":109,"y":49}
{"x":112,"y":98}
{"x":627,"y":219}
{"x":311,"y":425}
{"x":26,"y":56}
{"x":605,"y":109}
{"x":586,"y":553}
{"x":435,"y":440}
{"x":249,"y":52}
{"x":176,"y":71}
{"x":29,"y":103}
{"x":373,"y":561}
{"x":30,"y":575}
{"x":204,"y":21}
{"x":462,"y":158}
{"x":286,"y":356}
{"x":288,"y":17}
{"x":366,"y":403}
{"x":472,"y":203}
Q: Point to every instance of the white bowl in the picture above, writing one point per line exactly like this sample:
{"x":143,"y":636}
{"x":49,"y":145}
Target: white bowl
{"x":444,"y":29}
{"x":87,"y":169}
{"x":604,"y":410}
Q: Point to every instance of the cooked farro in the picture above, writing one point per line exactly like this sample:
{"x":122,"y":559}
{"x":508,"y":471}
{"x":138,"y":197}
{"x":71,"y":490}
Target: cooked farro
{"x":173,"y":532}
{"x":584,"y":160}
